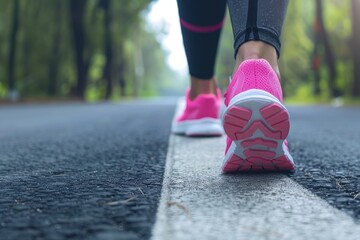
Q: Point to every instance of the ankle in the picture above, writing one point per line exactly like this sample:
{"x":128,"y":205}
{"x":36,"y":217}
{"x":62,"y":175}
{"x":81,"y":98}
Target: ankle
{"x":257,"y":50}
{"x":202,"y":86}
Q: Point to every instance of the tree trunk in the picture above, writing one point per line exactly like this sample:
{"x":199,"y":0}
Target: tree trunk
{"x":12,"y":50}
{"x":138,"y":68}
{"x":316,"y":60}
{"x":121,"y":73}
{"x":55,"y":52}
{"x":316,"y":70}
{"x":77,"y":10}
{"x":107,"y":71}
{"x":356,"y":46}
{"x":330,"y":59}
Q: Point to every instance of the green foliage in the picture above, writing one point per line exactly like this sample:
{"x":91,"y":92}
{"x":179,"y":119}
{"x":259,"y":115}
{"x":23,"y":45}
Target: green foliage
{"x":297,"y":47}
{"x":226,"y":60}
{"x":45,"y":55}
{"x":44,"y":26}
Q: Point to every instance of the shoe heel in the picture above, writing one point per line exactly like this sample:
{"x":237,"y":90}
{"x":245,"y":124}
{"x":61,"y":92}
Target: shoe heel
{"x":243,"y":121}
{"x":236,"y":118}
{"x":277,"y":118}
{"x":234,"y":121}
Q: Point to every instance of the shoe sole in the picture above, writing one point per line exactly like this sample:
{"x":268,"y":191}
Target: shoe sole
{"x":258,"y":125}
{"x":204,"y":127}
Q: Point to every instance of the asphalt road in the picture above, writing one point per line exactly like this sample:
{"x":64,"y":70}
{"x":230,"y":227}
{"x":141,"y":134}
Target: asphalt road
{"x":95,"y":171}
{"x":325,"y":143}
{"x":82,"y":171}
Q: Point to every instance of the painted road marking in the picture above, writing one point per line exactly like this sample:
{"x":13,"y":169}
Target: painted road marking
{"x":198,"y":202}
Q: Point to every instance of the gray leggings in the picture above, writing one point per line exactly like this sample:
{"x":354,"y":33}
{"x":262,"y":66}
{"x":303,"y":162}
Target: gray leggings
{"x":202,"y":20}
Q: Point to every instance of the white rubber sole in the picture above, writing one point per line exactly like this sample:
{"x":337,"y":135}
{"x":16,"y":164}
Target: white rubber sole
{"x":258,"y":124}
{"x":199,"y":127}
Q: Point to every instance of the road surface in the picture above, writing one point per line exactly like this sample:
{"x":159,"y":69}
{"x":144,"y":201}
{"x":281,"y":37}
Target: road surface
{"x":95,"y":171}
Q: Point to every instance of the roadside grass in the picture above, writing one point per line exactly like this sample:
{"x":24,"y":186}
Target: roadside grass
{"x":304,"y":96}
{"x":337,"y":102}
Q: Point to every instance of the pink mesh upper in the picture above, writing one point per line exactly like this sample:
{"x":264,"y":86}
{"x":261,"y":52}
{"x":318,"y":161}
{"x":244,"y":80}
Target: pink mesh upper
{"x":254,"y":74}
{"x":203,"y":106}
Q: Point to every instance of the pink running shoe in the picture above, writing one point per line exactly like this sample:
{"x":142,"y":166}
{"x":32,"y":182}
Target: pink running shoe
{"x":255,"y":121}
{"x":200,"y":117}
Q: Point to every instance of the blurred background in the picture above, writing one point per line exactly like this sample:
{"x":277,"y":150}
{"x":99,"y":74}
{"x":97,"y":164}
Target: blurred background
{"x":59,"y":50}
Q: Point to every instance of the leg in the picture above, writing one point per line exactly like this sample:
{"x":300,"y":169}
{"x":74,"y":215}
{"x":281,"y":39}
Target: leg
{"x":257,"y":27}
{"x":201,"y":23}
{"x":255,"y":120}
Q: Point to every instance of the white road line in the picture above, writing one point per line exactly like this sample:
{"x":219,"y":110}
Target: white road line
{"x":198,"y":202}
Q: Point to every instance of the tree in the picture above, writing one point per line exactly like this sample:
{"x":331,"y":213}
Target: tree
{"x":12,"y":50}
{"x":77,"y":11}
{"x":315,"y":58}
{"x":55,"y":49}
{"x":81,"y":48}
{"x":127,"y":22}
{"x":356,"y":46}
{"x":107,"y":71}
{"x":329,"y":55}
